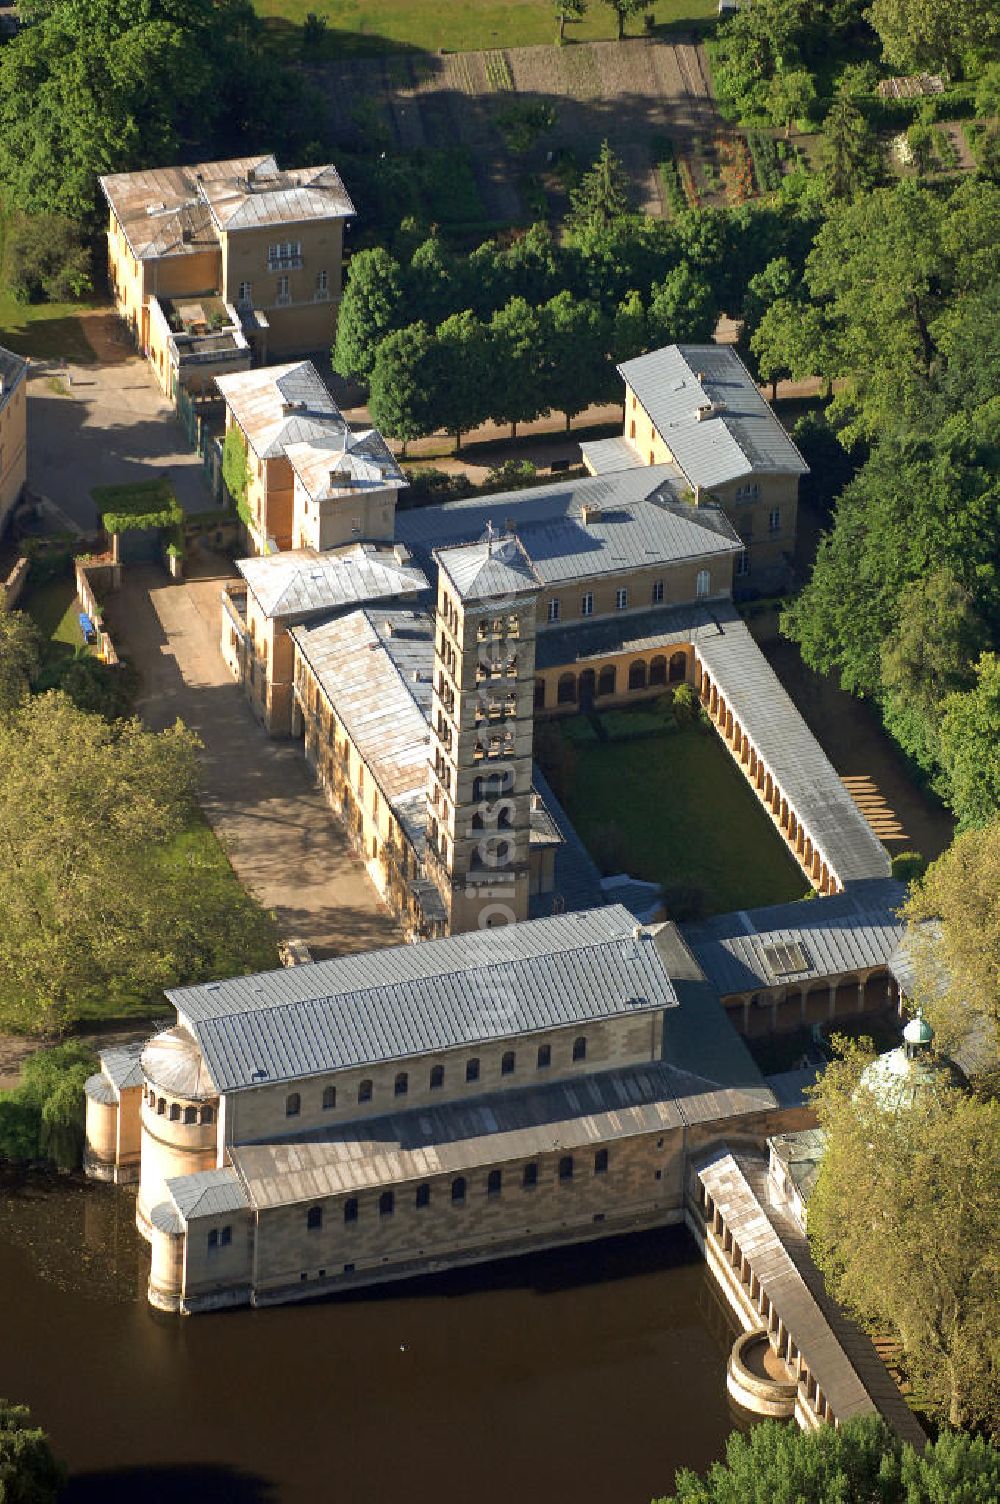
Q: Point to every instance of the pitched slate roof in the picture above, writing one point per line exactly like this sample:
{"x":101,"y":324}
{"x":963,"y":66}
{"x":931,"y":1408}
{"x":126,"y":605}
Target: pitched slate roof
{"x":737,"y":433}
{"x":277,"y":406}
{"x":484,"y":571}
{"x":345,"y":463}
{"x":415,"y":999}
{"x":847,"y":932}
{"x":635,"y":521}
{"x":270,"y":195}
{"x":301,"y":582}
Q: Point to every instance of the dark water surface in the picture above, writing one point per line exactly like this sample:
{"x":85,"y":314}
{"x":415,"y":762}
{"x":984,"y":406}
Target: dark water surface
{"x":583,"y":1375}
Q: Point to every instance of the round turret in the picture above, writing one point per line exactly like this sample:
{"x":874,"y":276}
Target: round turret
{"x":180,"y":1111}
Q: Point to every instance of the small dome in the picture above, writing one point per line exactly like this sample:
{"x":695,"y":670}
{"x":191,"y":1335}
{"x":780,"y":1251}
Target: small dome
{"x":173,"y":1062}
{"x":896,"y":1078}
{"x":918,"y":1031}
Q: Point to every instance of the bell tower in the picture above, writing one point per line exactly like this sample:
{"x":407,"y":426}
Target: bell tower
{"x":479,"y":792}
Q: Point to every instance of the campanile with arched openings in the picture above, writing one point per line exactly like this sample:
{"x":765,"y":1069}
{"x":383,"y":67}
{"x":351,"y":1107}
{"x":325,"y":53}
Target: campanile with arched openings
{"x":479,"y":775}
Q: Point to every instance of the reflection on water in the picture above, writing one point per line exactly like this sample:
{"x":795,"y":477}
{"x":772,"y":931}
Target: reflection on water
{"x":587,"y":1374}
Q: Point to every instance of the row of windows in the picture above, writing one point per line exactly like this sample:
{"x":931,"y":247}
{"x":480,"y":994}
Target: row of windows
{"x":175,"y":1112}
{"x":621,"y":601}
{"x":459,"y":1191}
{"x":321,"y":289}
{"x":401,"y":1086}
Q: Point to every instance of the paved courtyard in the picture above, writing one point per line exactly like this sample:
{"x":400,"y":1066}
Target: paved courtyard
{"x":282,"y":838}
{"x":105,"y":424}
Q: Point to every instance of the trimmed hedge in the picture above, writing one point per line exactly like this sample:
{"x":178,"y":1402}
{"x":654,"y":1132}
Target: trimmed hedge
{"x":148,"y":503}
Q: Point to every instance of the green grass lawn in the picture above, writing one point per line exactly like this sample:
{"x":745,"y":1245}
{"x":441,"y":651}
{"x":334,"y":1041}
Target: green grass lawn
{"x":371,"y":26}
{"x":687,"y":818}
{"x":48,"y":331}
{"x":55,"y":609}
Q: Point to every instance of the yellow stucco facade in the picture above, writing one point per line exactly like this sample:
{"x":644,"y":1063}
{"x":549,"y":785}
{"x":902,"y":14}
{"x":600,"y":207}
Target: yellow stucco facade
{"x":13,"y":432}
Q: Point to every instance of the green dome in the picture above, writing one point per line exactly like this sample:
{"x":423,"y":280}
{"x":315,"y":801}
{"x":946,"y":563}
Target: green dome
{"x":918,"y":1031}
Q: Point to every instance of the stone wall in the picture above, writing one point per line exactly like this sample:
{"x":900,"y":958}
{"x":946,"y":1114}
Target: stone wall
{"x":12,"y":587}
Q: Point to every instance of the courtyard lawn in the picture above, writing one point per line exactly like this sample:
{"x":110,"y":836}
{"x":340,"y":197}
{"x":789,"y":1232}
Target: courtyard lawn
{"x":680,"y":813}
{"x":55,"y":610}
{"x":372,"y":26}
{"x":48,"y":331}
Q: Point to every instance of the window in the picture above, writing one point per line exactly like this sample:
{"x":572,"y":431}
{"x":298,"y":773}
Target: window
{"x":329,"y":1098}
{"x":423,"y":1197}
{"x":437,"y":1077}
{"x":226,"y":1236}
{"x":283,"y":295}
{"x":566,"y":692}
{"x":566,"y":1167}
{"x":322,"y":286}
{"x":190,"y":1115}
{"x":607,"y":680}
{"x":402,"y":1084}
{"x":703,"y":583}
{"x":774,"y":520}
{"x":507,"y":1063}
{"x":621,"y":599}
{"x":287,"y":253}
{"x":386,"y":1204}
{"x":293,"y":1105}
{"x":637,"y":675}
{"x":161,"y":1106}
{"x":601,"y":1162}
{"x":741,"y":567}
{"x":494,"y":1183}
{"x":175,"y":1112}
{"x":530,"y":1177}
{"x":314,"y":1218}
{"x":658,"y":670}
{"x":213,"y":1239}
{"x":458,"y":1191}
{"x":244,"y":298}
{"x":580,"y":1048}
{"x":364,"y":1091}
{"x":587,"y":604}
{"x":544,"y":1056}
{"x":553,"y":610}
{"x":351,"y":1209}
{"x":657,"y":593}
{"x":748,"y":492}
{"x":472,"y":1069}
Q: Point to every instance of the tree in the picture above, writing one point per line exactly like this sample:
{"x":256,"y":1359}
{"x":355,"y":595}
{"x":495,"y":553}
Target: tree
{"x":954,"y":929}
{"x":47,"y":260}
{"x":850,"y":153}
{"x":791,"y":95}
{"x":601,"y":197}
{"x":629,"y":330}
{"x":682,"y":308}
{"x":519,"y":358}
{"x":859,"y":1462}
{"x":578,"y":372}
{"x":107,"y":894}
{"x":20,"y":657}
{"x":44,"y":1117}
{"x":623,"y":9}
{"x":933,"y":34}
{"x":236,"y":469}
{"x":569,"y":10}
{"x":101,"y":688}
{"x":752,"y":47}
{"x":904,"y":1222}
{"x":369,"y":310}
{"x":970,"y":746}
{"x":29,"y":1474}
{"x":399,"y":396}
{"x":434,"y":283}
{"x":461,"y":375}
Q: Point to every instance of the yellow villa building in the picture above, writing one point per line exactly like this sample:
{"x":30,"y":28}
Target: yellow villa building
{"x":13,"y":431}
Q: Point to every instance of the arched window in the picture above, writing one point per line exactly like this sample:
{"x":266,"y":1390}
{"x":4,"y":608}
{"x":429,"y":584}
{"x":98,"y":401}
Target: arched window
{"x":530,"y":1177}
{"x":458,"y":1191}
{"x":607,"y":681}
{"x":637,"y":674}
{"x":566,"y":693}
{"x":423,"y":1195}
{"x":678,"y":667}
{"x":386,"y":1204}
{"x":601,"y":1162}
{"x":175,"y":1112}
{"x":364,"y":1091}
{"x":437,"y":1077}
{"x":472,"y":1069}
{"x":190,"y":1114}
{"x":314,"y":1218}
{"x":580,"y":1048}
{"x":329,"y":1098}
{"x":208,"y":1114}
{"x":293,"y":1105}
{"x":658,"y":670}
{"x":402,"y":1084}
{"x":351,"y":1209}
{"x":566,"y":1167}
{"x":494,"y":1183}
{"x":507,"y":1063}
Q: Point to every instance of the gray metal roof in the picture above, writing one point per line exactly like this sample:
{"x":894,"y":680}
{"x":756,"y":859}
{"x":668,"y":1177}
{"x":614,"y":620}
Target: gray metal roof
{"x":276,"y":406}
{"x":635,"y":521}
{"x":459,"y":1137}
{"x":790,"y":751}
{"x":207,"y":1193}
{"x":706,"y":407}
{"x":626,"y":632}
{"x":847,"y":932}
{"x":609,"y":456}
{"x":414,"y":999}
{"x":577,"y":878}
{"x":122,"y":1065}
{"x":99,"y":1089}
{"x":483,"y":571}
{"x":300,"y":582}
{"x":12,"y":368}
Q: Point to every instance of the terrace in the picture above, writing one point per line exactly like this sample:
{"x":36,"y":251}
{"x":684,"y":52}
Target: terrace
{"x":203,"y":335}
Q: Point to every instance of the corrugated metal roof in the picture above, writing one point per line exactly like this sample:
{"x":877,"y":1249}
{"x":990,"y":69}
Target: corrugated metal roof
{"x":302,"y":582}
{"x":736,"y":434}
{"x":388,"y":1004}
{"x":482,"y":571}
{"x":635,"y":521}
{"x":847,"y":932}
{"x":609,"y":456}
{"x":207,"y":1193}
{"x":459,"y":1137}
{"x":122,"y":1065}
{"x":790,"y":751}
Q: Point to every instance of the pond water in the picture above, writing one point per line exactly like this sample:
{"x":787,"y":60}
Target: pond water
{"x":584,"y":1375}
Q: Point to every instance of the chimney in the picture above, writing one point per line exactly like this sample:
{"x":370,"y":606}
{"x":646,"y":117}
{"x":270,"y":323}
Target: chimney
{"x":401,"y":553}
{"x":697,"y":496}
{"x":589,"y":512}
{"x":389,"y":629}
